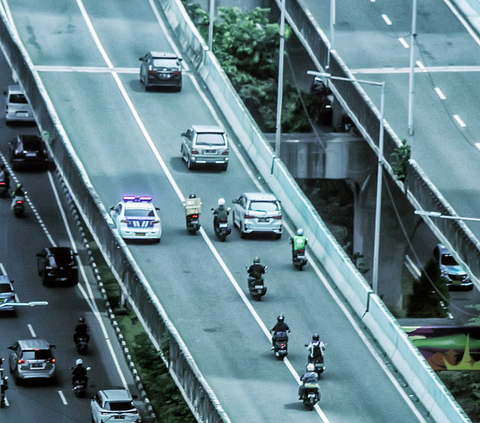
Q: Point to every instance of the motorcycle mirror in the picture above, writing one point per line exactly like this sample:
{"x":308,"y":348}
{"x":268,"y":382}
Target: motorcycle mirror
{"x":88,"y":368}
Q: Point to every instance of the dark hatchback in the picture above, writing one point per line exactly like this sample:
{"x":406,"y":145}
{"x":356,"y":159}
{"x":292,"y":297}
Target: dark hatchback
{"x":58,"y":265}
{"x":161,"y":70}
{"x":28,"y":151}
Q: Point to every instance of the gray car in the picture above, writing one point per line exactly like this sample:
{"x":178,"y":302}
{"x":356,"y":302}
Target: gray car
{"x":113,"y":405}
{"x":456,"y":277}
{"x":17,"y":108}
{"x":258,"y":212}
{"x":32,"y":359}
{"x":205,"y":145}
{"x":7,"y":294}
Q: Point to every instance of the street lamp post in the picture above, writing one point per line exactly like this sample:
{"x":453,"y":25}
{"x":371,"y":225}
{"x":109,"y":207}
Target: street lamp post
{"x":278,"y":130}
{"x":30,"y":304}
{"x":445,"y":216}
{"x":378,"y":205}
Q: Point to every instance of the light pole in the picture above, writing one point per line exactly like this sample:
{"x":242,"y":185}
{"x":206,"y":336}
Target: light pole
{"x":411,"y":90}
{"x":445,"y":216}
{"x":378,"y":205}
{"x":210,"y":24}
{"x":278,"y":131}
{"x":30,"y":304}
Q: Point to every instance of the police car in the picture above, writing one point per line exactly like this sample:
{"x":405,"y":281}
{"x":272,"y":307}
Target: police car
{"x":135,"y":217}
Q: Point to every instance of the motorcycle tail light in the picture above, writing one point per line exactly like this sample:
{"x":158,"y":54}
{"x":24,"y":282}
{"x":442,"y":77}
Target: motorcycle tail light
{"x":282,"y":344}
{"x":19,"y":202}
{"x":194,"y":216}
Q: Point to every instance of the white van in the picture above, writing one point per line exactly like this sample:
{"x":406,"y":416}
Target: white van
{"x":17,"y":108}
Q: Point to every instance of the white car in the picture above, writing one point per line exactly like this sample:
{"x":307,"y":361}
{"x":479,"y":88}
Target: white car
{"x":113,"y":405}
{"x":258,"y":212}
{"x":135,"y":217}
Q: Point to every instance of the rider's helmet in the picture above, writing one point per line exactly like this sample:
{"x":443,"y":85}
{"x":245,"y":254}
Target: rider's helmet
{"x":221,"y":201}
{"x":79,"y":362}
{"x":81,"y":320}
{"x":256,"y":260}
{"x":300,"y":232}
{"x":280,"y":318}
{"x":310,"y":367}
{"x":19,"y":186}
{"x":192,"y":196}
{"x":316,"y":337}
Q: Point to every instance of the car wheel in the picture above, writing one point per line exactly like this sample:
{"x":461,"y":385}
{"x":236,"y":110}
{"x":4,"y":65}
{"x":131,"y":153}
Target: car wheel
{"x":178,"y":89}
{"x":278,"y":236}
{"x":242,"y":234}
{"x":224,"y":167}
{"x":234,"y":223}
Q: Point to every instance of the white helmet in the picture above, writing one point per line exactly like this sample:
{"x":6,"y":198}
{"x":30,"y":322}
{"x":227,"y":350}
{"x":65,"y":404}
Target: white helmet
{"x":310,"y":367}
{"x":300,"y":232}
{"x":221,"y":201}
{"x":79,"y":362}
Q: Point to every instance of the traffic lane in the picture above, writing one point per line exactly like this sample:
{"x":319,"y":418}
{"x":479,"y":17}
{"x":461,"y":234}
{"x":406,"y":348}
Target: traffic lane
{"x":54,"y":33}
{"x":127,"y":30}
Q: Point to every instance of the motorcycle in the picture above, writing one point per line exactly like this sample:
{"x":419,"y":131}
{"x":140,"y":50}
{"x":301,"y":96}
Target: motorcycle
{"x":192,"y":214}
{"x":281,"y":345}
{"x":256,"y":285}
{"x":81,"y":344}
{"x":299,"y":259}
{"x":311,"y":395}
{"x":18,"y":205}
{"x":80,"y":386}
{"x":221,"y":227}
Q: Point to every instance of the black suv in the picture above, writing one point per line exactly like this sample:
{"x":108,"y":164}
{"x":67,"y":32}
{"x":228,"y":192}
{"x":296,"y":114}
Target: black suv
{"x":28,"y":151}
{"x":58,"y":264}
{"x":161,"y":70}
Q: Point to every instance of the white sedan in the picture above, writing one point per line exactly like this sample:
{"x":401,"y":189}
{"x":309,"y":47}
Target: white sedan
{"x":135,"y":217}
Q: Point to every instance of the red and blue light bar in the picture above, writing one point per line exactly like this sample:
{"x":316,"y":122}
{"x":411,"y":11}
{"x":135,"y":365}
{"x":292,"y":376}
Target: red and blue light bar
{"x":139,"y":198}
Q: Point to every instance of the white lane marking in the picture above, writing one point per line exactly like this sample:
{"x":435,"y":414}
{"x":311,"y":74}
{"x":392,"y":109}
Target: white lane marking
{"x":403,"y":42}
{"x":420,"y":65}
{"x":386,"y":19}
{"x":7,"y":404}
{"x":440,"y":93}
{"x":459,"y":121}
{"x":91,"y":69}
{"x":477,"y":144}
{"x":463,"y":21}
{"x":4,"y":272}
{"x":62,"y":397}
{"x":32,"y":332}
{"x":89,"y":298}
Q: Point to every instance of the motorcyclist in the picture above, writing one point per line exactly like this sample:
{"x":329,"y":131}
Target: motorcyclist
{"x":256,"y":270}
{"x":5,"y":176}
{"x":316,"y":348}
{"x":79,"y":373}
{"x":220,"y":213}
{"x":299,"y":242}
{"x":18,"y":191}
{"x":310,"y":377}
{"x":3,"y":388}
{"x":280,"y":326}
{"x":81,"y":330}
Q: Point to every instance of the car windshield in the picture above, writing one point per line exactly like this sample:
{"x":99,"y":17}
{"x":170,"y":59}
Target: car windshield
{"x":36,"y":355}
{"x":31,"y":145}
{"x":5,"y":287}
{"x":62,"y":258}
{"x":139,"y":213}
{"x":164,"y":63}
{"x":210,"y":139}
{"x":119,"y":406}
{"x":448,"y":260}
{"x":263,"y":206}
{"x":18,"y":98}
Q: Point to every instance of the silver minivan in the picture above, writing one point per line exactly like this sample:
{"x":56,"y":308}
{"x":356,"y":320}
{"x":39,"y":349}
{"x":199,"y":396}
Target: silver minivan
{"x":32,"y":358}
{"x":205,"y":145}
{"x":17,"y":108}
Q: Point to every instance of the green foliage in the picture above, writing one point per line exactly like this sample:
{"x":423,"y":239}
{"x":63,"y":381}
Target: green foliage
{"x":429,"y":293}
{"x":401,"y":156}
{"x":164,"y":395}
{"x":247,"y":47}
{"x":465,"y":387}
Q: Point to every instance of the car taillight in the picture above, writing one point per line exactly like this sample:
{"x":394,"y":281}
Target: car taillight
{"x":249,"y":216}
{"x":225,"y":152}
{"x":52,"y":360}
{"x":2,"y":183}
{"x":177,"y":72}
{"x":20,"y":361}
{"x":195,"y":151}
{"x":152,"y":72}
{"x":156,"y":221}
{"x":277,"y":217}
{"x":124,"y":221}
